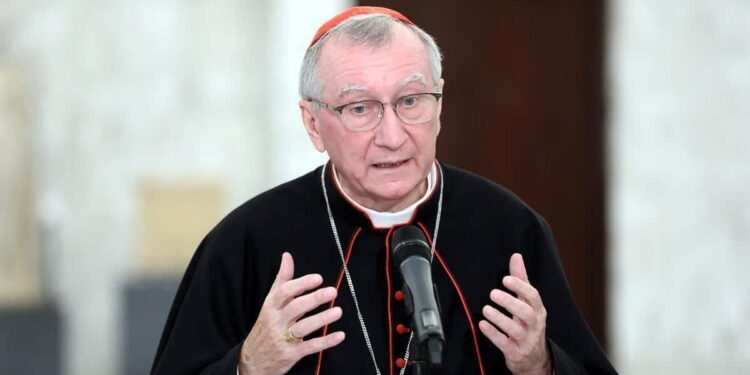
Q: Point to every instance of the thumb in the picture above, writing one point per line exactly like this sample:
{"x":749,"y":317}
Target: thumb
{"x":517,"y":268}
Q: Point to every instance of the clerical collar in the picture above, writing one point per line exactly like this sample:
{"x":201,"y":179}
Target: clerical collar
{"x":390,"y":219}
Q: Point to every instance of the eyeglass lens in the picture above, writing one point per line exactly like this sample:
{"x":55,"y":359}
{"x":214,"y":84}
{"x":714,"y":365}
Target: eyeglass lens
{"x":412,"y":109}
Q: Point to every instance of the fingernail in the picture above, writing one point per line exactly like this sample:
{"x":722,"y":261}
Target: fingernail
{"x":508,"y":280}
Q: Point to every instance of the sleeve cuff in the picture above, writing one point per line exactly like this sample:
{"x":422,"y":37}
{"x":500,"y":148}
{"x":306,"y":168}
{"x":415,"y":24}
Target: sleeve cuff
{"x":562,"y":363}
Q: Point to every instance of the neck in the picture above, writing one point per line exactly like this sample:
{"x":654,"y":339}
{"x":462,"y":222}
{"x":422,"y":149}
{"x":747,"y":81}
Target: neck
{"x":398,"y":205}
{"x":384,"y":205}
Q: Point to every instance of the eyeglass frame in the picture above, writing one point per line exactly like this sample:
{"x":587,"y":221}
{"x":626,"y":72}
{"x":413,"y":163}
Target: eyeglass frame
{"x":340,"y":109}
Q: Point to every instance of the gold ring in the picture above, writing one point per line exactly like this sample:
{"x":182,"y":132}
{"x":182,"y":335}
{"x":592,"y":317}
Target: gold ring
{"x":289,"y":336}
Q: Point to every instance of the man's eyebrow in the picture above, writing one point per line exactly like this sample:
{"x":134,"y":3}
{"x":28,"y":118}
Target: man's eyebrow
{"x":350,"y":88}
{"x":356,"y":88}
{"x":417,"y":77}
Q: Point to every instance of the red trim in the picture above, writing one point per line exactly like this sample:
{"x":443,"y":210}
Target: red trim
{"x":460,"y":296}
{"x":388,"y":298}
{"x":343,"y":195}
{"x":338,"y":285}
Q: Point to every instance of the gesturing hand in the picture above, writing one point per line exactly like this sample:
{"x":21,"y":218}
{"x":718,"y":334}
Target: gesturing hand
{"x":522,"y":339}
{"x":266,"y":350}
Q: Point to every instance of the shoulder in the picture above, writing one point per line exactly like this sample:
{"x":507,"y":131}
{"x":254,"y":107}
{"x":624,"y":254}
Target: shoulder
{"x":269,"y":210}
{"x":492,"y":211}
{"x":290,"y":199}
{"x":241,"y":239}
{"x":479,"y":193}
{"x":491,"y":206}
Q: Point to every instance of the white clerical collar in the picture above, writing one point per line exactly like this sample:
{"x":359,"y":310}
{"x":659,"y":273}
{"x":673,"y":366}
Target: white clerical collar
{"x":390,"y":219}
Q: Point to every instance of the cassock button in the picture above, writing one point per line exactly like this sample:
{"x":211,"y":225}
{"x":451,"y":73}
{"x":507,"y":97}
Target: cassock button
{"x":401,"y":329}
{"x":399,"y":295}
{"x":400,"y":363}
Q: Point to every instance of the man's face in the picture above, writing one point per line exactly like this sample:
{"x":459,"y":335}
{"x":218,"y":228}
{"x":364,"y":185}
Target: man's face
{"x":384,"y":168}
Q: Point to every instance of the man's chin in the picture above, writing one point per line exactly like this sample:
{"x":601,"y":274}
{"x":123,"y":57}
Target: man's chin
{"x":398,"y":196}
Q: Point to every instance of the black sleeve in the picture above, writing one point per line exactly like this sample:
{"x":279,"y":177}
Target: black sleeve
{"x":572,"y":345}
{"x":208,"y":321}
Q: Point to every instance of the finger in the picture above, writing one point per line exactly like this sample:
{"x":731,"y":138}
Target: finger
{"x":517,"y":268}
{"x":303,"y":304}
{"x":317,"y":344}
{"x":290,"y":289}
{"x":496,"y":337}
{"x":514,"y":305}
{"x":311,"y":324}
{"x":286,"y":270}
{"x":524,"y":290}
{"x":511,"y":327}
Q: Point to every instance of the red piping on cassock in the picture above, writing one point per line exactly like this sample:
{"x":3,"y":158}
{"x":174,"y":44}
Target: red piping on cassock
{"x":460,"y":296}
{"x":338,"y":285}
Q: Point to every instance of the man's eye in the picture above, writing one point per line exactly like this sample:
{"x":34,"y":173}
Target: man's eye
{"x":410,"y":101}
{"x":358,"y":109}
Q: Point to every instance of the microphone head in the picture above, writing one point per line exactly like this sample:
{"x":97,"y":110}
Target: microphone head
{"x":409,"y":241}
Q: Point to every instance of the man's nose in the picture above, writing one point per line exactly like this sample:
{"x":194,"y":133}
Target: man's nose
{"x":391,"y":133}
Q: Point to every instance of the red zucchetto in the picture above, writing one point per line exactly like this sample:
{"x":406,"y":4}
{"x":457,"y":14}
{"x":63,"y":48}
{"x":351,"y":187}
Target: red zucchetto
{"x":355,"y":11}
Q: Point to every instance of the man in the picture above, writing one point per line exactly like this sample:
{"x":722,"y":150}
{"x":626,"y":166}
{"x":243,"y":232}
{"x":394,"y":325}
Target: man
{"x":371,"y":98}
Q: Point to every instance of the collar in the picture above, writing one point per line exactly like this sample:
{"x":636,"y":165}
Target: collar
{"x":346,"y":208}
{"x":390,"y":219}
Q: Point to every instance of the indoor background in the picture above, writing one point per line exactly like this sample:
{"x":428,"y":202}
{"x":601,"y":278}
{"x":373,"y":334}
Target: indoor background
{"x":128,"y":128}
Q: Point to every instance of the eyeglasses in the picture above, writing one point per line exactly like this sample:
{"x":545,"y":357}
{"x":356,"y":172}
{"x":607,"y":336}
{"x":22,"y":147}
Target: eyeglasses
{"x":365,"y":115}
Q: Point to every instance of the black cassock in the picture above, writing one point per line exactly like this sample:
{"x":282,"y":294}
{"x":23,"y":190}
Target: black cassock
{"x":482,"y":225}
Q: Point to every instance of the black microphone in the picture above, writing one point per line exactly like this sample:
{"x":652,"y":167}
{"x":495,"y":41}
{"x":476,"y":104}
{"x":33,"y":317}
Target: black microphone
{"x":411,"y":255}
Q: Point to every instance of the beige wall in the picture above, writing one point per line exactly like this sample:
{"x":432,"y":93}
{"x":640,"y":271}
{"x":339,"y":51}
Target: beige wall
{"x":174,"y":216}
{"x":19,"y":261}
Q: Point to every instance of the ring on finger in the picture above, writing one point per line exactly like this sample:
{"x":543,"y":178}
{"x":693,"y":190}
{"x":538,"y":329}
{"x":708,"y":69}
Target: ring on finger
{"x":289,"y":337}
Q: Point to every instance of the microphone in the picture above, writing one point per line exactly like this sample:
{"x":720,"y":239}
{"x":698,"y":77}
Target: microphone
{"x":411,"y":255}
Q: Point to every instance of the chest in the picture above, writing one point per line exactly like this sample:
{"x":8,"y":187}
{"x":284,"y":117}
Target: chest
{"x":463,"y":280}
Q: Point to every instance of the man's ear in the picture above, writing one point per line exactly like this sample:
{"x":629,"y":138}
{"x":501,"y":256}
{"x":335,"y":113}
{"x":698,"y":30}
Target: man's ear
{"x":311,"y":124}
{"x":441,"y":84}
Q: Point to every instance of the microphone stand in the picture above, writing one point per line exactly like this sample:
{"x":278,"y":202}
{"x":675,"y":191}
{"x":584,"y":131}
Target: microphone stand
{"x":418,"y":366}
{"x":428,"y":354}
{"x":421,"y":364}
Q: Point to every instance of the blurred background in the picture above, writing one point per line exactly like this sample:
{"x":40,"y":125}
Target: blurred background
{"x":128,"y":128}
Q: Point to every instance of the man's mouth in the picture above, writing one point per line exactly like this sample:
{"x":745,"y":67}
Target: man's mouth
{"x":390,"y":165}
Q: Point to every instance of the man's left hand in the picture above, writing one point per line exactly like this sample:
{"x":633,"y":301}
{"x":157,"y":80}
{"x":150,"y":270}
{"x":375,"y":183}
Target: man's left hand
{"x":522,"y":339}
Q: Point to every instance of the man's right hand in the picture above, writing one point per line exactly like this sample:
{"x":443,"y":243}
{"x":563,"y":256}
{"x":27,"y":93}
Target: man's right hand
{"x":265,"y":351}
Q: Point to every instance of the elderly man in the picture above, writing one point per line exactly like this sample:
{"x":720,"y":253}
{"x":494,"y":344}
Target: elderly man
{"x":371,"y":92}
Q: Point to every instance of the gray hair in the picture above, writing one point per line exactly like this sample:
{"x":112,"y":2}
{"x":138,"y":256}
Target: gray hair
{"x":372,"y":30}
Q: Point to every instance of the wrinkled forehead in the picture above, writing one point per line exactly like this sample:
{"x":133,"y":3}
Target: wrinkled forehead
{"x":346,"y":67}
{"x":415,"y":80}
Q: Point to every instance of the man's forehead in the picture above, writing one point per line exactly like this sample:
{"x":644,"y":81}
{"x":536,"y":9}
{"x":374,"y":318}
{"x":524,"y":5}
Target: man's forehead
{"x":353,"y":87}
